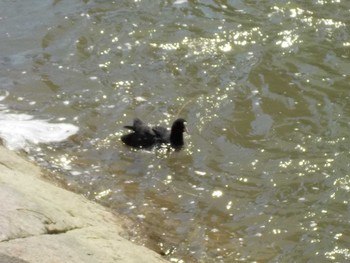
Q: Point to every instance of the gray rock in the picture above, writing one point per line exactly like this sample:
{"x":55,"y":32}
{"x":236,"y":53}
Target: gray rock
{"x":40,"y":222}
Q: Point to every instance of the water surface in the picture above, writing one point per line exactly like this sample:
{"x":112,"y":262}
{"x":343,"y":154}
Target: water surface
{"x":263,"y":85}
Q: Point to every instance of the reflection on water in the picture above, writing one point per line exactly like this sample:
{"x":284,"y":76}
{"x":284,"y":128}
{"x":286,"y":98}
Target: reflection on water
{"x":264,"y":176}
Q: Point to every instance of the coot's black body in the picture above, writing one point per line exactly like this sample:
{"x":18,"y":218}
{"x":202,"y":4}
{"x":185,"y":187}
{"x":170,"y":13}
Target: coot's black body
{"x":146,"y":137}
{"x":141,"y":137}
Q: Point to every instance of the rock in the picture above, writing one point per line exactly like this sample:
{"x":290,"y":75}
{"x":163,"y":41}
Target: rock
{"x":40,"y":222}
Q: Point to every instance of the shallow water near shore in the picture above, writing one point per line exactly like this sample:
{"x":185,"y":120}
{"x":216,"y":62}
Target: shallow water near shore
{"x":264,"y":87}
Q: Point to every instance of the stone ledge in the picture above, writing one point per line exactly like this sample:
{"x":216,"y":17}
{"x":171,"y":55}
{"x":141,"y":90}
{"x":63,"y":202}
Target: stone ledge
{"x":40,"y":222}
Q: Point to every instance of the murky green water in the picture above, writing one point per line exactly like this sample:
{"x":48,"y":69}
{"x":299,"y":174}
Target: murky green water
{"x":264,"y":86}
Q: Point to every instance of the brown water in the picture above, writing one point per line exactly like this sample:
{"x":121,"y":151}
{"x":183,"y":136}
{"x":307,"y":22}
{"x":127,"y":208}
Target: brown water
{"x":263,"y":85}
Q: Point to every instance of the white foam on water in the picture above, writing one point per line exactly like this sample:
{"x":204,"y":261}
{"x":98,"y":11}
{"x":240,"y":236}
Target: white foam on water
{"x":19,"y":131}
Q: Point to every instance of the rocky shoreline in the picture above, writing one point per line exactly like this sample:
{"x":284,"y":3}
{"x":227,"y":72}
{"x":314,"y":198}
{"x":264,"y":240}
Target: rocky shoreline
{"x":41,"y":222}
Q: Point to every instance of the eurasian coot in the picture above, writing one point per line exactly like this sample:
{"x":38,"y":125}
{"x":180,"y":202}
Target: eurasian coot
{"x":146,"y":137}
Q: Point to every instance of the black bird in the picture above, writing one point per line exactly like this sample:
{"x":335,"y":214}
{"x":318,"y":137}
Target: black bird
{"x":141,"y":137}
{"x":146,"y":137}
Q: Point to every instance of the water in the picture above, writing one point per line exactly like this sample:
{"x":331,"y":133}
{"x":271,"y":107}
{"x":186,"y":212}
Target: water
{"x":263,"y":85}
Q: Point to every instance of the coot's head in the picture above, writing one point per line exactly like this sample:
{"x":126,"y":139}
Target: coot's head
{"x":179,"y":126}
